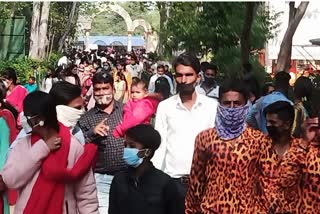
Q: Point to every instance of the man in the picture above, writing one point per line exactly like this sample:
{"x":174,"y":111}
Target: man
{"x":224,"y":168}
{"x":300,"y":169}
{"x":167,"y":72}
{"x":137,"y":190}
{"x":209,"y":86}
{"x":179,"y":119}
{"x":97,"y":125}
{"x":160,"y":73}
{"x":147,"y":74}
{"x":256,"y":117}
{"x":31,"y":86}
{"x":279,"y":119}
{"x":203,"y":68}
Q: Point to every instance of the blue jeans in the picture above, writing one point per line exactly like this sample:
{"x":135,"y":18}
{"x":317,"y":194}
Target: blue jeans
{"x":103,"y":182}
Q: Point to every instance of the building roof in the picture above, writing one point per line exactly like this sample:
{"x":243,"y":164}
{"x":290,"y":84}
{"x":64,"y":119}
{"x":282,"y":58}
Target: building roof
{"x":302,"y":47}
{"x":114,"y":40}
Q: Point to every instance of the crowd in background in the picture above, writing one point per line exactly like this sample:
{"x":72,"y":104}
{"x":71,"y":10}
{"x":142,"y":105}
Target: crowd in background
{"x":119,"y":133}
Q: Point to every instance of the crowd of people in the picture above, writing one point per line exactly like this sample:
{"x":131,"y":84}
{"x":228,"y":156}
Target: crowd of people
{"x":118,"y":134}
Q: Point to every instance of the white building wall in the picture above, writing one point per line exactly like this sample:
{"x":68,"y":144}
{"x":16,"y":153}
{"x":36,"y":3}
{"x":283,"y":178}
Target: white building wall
{"x":309,"y":28}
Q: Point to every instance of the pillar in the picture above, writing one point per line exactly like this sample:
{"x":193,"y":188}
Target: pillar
{"x":129,"y":47}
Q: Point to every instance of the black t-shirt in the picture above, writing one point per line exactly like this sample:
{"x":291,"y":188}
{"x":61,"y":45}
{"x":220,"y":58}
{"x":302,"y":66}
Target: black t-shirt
{"x":153,"y":193}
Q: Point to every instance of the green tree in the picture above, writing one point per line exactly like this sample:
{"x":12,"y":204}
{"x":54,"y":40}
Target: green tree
{"x":206,"y":26}
{"x":60,"y":13}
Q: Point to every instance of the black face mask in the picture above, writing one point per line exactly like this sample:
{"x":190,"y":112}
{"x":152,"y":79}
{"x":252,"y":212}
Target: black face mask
{"x":185,"y":89}
{"x":210,"y":80}
{"x":273,"y":132}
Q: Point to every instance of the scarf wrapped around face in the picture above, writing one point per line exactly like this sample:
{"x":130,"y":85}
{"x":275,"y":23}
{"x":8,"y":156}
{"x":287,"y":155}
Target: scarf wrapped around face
{"x":231,"y":122}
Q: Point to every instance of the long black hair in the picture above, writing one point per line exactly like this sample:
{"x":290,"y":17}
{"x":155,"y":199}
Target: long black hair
{"x":63,"y":92}
{"x":303,"y":89}
{"x":41,"y":104}
{"x":68,"y":73}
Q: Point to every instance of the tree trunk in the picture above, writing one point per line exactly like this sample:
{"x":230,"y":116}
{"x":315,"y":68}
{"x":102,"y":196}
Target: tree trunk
{"x":162,"y":6}
{"x":68,"y":27}
{"x":34,"y":32}
{"x":295,"y":16}
{"x":245,"y":35}
{"x":43,"y":40}
{"x":52,"y":40}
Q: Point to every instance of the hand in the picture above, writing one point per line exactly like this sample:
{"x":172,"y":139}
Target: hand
{"x":54,"y":143}
{"x":310,"y":128}
{"x":101,"y":129}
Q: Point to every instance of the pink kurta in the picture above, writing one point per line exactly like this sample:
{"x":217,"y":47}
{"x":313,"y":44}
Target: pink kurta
{"x":16,"y":97}
{"x":22,"y":169}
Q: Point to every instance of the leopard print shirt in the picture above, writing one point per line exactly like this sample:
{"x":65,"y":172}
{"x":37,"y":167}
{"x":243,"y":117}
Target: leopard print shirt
{"x":282,"y":196}
{"x":225,"y":174}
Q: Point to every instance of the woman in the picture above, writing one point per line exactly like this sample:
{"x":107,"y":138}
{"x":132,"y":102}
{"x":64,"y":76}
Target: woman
{"x":15,"y":93}
{"x":8,"y":112}
{"x":10,"y":115}
{"x":50,"y":168}
{"x":120,"y":86}
{"x":5,"y":140}
{"x":71,"y":75}
{"x":48,"y":81}
{"x":121,"y":68}
{"x":69,"y":106}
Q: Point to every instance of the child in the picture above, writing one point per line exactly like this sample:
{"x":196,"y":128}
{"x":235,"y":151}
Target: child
{"x":139,"y":110}
{"x":143,"y":188}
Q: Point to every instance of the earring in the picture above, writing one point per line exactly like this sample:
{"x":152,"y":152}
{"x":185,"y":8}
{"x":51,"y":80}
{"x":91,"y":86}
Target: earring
{"x":41,"y":123}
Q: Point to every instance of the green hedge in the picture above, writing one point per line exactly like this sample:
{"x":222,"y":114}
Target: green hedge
{"x":26,"y":67}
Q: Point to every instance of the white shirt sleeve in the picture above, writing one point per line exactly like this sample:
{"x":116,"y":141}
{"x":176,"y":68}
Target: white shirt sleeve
{"x":151,"y":87}
{"x":215,"y":104}
{"x":161,"y":127}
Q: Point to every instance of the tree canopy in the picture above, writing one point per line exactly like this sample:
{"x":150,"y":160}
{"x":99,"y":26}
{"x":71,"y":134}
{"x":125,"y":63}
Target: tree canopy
{"x":203,"y":26}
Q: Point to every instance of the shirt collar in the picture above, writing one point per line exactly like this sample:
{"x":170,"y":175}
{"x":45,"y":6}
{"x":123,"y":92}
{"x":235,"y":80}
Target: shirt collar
{"x":199,"y":101}
{"x":213,"y":87}
{"x":116,"y":105}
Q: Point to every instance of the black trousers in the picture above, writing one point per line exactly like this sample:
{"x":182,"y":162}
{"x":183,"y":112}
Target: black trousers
{"x":182,"y":190}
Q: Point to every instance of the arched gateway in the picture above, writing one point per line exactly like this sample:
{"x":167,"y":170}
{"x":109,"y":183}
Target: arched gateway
{"x":151,"y":38}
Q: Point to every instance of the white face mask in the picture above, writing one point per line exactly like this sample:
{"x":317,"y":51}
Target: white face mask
{"x":68,"y":116}
{"x":25,"y":125}
{"x":104,"y":99}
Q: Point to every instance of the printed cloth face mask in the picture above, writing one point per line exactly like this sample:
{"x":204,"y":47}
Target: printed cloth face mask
{"x":231,"y":122}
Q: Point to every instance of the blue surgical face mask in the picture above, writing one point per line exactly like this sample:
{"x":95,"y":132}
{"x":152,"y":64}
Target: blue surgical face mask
{"x":130,"y":156}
